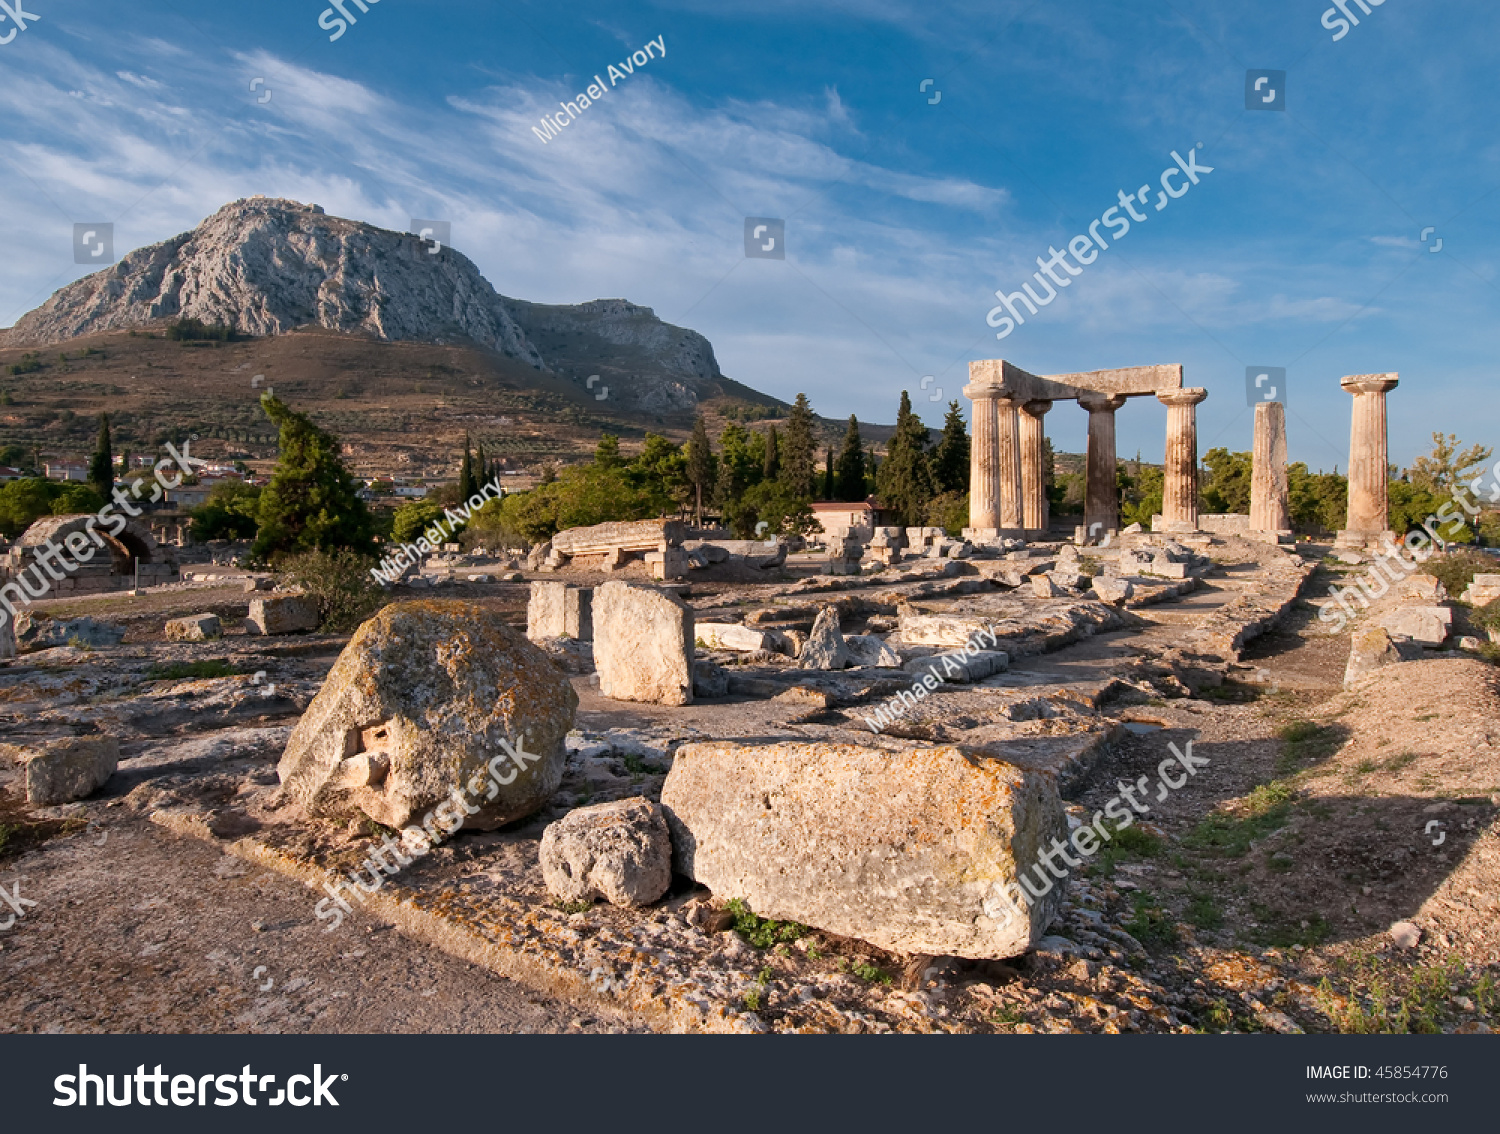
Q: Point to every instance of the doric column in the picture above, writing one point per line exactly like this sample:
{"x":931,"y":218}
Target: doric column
{"x":1101,"y":502}
{"x":1368,"y":517}
{"x":1034,"y":517}
{"x":1179,"y":503}
{"x":1268,"y":481}
{"x":984,"y":462}
{"x":1010,"y":465}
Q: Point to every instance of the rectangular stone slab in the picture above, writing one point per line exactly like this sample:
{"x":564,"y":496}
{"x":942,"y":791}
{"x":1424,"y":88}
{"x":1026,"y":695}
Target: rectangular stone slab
{"x":634,"y":535}
{"x":910,"y":850}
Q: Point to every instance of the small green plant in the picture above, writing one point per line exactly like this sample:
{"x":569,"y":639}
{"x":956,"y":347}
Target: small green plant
{"x":1304,"y":743}
{"x":191,"y":671}
{"x":1267,"y":809}
{"x":1149,"y":923}
{"x":1203,"y":911}
{"x":1007,"y":1015}
{"x":1218,"y":1017}
{"x":6,"y":829}
{"x":580,"y":906}
{"x":636,"y":766}
{"x":1125,"y":843}
{"x":1396,"y":763}
{"x":77,"y":642}
{"x":1365,"y":767}
{"x":872,"y":973}
{"x":762,"y":932}
{"x":755,"y":996}
{"x":341,"y":584}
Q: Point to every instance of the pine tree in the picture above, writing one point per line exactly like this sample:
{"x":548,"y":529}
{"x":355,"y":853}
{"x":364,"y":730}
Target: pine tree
{"x":905,"y":481}
{"x":311,"y":503}
{"x":850,"y":484}
{"x":607,"y":452}
{"x":950,"y":462}
{"x":700,"y":467}
{"x":772,"y":467}
{"x":466,"y":485}
{"x":102,"y":463}
{"x":481,"y":467}
{"x":828,"y":474}
{"x":799,"y":450}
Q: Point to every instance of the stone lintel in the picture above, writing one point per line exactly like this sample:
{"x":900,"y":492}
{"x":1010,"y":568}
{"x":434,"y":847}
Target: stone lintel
{"x":1130,"y":381}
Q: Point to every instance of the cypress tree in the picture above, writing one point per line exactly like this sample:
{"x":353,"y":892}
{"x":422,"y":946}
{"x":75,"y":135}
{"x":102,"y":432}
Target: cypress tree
{"x":311,"y":503}
{"x":466,"y":485}
{"x":905,"y":481}
{"x":828,"y":474}
{"x":950,"y":462}
{"x":700,"y":466}
{"x":772,"y":468}
{"x":102,"y":463}
{"x":799,"y":450}
{"x":850,"y":485}
{"x":481,"y":467}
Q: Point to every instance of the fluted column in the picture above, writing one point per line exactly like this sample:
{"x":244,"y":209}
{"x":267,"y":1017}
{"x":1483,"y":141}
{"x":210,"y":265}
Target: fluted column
{"x":1369,"y":507}
{"x":1034,"y":516}
{"x":984,"y":462}
{"x":1006,"y":408}
{"x":1268,"y":480}
{"x":1179,"y":504}
{"x":1101,"y":502}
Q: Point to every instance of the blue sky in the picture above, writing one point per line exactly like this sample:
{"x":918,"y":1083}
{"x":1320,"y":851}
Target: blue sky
{"x":1302,"y":248}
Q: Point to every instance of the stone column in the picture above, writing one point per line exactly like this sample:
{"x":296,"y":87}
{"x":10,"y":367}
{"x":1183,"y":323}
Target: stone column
{"x":984,"y":463}
{"x":1034,"y":513}
{"x":1179,"y":503}
{"x":1268,"y":482}
{"x":1368,"y":520}
{"x":1101,"y":503}
{"x":1006,"y":407}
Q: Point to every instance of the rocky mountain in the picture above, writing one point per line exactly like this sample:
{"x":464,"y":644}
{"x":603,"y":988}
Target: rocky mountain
{"x":266,"y":266}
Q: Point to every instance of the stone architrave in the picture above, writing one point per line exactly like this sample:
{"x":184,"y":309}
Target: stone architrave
{"x":1368,"y":519}
{"x":1180,"y":482}
{"x":557,"y":610}
{"x":1101,"y":494}
{"x":984,"y":462}
{"x":1268,"y":479}
{"x":1034,"y":508}
{"x":643,"y":644}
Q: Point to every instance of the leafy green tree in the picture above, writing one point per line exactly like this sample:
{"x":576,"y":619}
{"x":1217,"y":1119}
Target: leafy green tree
{"x":799,"y":450}
{"x":1445,"y":468}
{"x":22,"y":503}
{"x":770,"y":468}
{"x":102,"y":463}
{"x":905,"y":479}
{"x":413,"y":518}
{"x":607,"y":452}
{"x":1144,"y":496}
{"x":76,"y":500}
{"x":950,"y":461}
{"x":741,"y":458}
{"x":784,"y":512}
{"x":311,"y":502}
{"x":949,"y":511}
{"x":849,"y":483}
{"x":1317,"y":502}
{"x":1226,"y":488}
{"x":701,"y":473}
{"x":1411,"y":505}
{"x":229,"y":512}
{"x":661,"y":472}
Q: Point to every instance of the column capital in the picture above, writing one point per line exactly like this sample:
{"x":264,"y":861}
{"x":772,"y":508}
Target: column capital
{"x":1037,"y":407}
{"x":1369,"y":383}
{"x":1186,"y":396}
{"x":975,"y":391}
{"x":1094,"y":401}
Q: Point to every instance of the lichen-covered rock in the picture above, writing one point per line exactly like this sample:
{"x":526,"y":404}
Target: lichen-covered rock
{"x":915,"y":851}
{"x":196,"y":628}
{"x":620,"y":851}
{"x":432,"y":700}
{"x":1372,"y":648}
{"x":61,"y":771}
{"x":282,"y":614}
{"x":39,"y":632}
{"x":643,"y":644}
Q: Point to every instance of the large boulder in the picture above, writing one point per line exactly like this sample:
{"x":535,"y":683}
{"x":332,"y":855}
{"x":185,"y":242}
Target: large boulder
{"x":621,"y":852}
{"x":824,"y":648}
{"x":915,"y":851}
{"x":432,"y":701}
{"x":282,"y":614}
{"x":643,"y":644}
{"x":38,"y":632}
{"x":61,"y":771}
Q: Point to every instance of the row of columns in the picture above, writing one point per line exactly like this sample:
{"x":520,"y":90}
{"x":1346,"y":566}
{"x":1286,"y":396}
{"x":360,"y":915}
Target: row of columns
{"x":1007,"y":470}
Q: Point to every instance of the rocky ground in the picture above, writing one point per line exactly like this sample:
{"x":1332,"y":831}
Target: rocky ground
{"x":1260,"y":896}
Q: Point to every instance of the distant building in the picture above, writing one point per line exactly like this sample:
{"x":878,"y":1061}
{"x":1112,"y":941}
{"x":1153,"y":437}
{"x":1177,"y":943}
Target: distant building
{"x":8,"y":473}
{"x":187,"y":495}
{"x":415,"y":491}
{"x":65,"y":470}
{"x":837,"y":517}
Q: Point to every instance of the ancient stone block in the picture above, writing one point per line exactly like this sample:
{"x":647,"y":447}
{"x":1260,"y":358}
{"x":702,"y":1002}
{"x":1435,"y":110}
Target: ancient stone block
{"x":196,"y":628}
{"x":1373,"y":648}
{"x":710,"y":680}
{"x":283,"y":614}
{"x":1108,"y":589}
{"x":453,"y":703}
{"x":824,"y":648}
{"x":914,"y":851}
{"x":620,"y":851}
{"x":643,"y":644}
{"x":633,"y":535}
{"x":60,"y":771}
{"x":37,"y":632}
{"x":867,"y":649}
{"x":558,"y":610}
{"x":731,"y":636}
{"x":1425,"y":625}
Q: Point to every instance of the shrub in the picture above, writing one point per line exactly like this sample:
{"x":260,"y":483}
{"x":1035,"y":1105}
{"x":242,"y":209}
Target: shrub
{"x":1456,"y":569}
{"x":340,"y":581}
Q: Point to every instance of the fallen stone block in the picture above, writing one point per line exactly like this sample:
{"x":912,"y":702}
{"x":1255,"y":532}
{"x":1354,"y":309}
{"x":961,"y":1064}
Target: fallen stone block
{"x":433,"y":702}
{"x":1425,"y":625}
{"x":731,"y":636}
{"x":824,"y":648}
{"x":557,"y":610}
{"x":916,"y":851}
{"x":959,"y":668}
{"x":643,"y":644}
{"x":1372,"y":648}
{"x":196,"y":628}
{"x":620,"y":852}
{"x":1042,"y":586}
{"x":1427,"y":588}
{"x":629,"y":535}
{"x":284,"y":614}
{"x":61,"y":771}
{"x":1111,"y":589}
{"x":867,"y":649}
